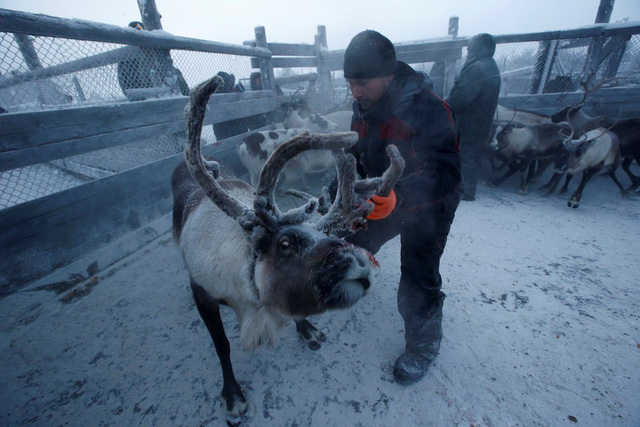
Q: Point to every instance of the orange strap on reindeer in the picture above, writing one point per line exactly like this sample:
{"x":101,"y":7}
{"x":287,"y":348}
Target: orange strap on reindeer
{"x":382,"y":206}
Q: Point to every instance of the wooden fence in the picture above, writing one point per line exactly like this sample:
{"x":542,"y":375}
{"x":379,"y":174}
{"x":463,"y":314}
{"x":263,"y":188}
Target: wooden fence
{"x":39,"y":236}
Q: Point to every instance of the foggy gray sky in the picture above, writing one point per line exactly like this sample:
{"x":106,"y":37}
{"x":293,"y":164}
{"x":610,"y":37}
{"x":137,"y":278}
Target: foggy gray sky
{"x":296,"y":21}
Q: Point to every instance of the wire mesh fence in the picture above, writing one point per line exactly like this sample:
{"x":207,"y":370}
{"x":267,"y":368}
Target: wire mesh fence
{"x":95,"y":73}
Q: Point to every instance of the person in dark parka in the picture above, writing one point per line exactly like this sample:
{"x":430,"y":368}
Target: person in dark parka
{"x":474,"y":98}
{"x":137,"y":72}
{"x":394,"y":105}
{"x":233,"y":127}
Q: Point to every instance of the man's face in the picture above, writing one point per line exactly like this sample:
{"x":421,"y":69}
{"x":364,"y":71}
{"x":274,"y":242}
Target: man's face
{"x":369,"y":91}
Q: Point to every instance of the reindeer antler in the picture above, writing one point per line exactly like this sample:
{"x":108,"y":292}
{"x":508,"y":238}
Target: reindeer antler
{"x":204,"y":171}
{"x":265,"y":204}
{"x":351,"y":206}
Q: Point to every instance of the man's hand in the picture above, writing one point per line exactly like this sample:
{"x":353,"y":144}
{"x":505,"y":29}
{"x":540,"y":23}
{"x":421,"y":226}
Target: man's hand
{"x":382,"y":206}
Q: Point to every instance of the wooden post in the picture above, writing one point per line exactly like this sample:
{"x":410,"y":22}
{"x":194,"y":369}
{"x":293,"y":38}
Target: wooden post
{"x":450,"y":66}
{"x":28,"y":51}
{"x":150,"y":15}
{"x":548,"y":65}
{"x":603,"y":16}
{"x":453,"y":26}
{"x":595,"y":56}
{"x":47,"y":91}
{"x":163,"y":63}
{"x":78,"y":87}
{"x":266,"y":64}
{"x":542,"y":56}
{"x":614,"y":47}
{"x":593,"y":62}
{"x":325,"y":88}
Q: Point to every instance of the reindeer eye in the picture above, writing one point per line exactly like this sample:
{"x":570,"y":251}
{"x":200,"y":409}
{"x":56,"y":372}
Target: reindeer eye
{"x":286,"y":244}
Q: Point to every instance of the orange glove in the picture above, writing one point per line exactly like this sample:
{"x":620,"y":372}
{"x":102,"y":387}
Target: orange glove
{"x":382,"y":206}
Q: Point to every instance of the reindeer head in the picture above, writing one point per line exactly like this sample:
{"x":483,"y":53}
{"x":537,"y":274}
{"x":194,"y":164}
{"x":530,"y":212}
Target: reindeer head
{"x":300,"y":267}
{"x":503,"y":134}
{"x":322,"y":124}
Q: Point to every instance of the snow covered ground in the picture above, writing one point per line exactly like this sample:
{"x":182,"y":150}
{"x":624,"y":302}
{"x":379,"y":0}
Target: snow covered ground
{"x":542,"y":328}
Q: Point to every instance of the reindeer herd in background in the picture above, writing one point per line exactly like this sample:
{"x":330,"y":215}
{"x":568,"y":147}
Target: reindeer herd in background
{"x":570,"y":140}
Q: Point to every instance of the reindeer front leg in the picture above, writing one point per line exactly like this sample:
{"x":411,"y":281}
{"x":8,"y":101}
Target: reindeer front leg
{"x":209,"y":309}
{"x":514,"y":166}
{"x":524,"y":166}
{"x":576,"y":198}
{"x":309,"y":334}
{"x":550,"y":186}
{"x":565,"y":187}
{"x":635,"y":180}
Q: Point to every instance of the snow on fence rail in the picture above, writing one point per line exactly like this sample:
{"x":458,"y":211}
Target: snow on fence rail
{"x":82,"y":165}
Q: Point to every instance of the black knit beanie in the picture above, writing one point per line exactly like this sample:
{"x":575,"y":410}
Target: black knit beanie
{"x":369,"y":54}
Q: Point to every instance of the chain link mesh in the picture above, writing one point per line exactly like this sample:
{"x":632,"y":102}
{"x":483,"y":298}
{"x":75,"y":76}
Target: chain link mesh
{"x":139,"y":73}
{"x":131,"y":76}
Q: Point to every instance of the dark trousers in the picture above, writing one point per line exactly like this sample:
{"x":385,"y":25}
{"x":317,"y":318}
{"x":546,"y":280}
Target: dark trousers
{"x":423,"y":236}
{"x":470,"y":155}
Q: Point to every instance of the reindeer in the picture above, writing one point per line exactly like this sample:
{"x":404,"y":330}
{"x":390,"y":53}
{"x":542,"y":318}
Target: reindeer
{"x":314,"y":122}
{"x":503,"y":117}
{"x":627,"y":131}
{"x":596,"y":151}
{"x":526,"y":144}
{"x":269,"y":266}
{"x":256,"y":147}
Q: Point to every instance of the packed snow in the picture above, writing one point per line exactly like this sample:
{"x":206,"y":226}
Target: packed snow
{"x":541,"y":327}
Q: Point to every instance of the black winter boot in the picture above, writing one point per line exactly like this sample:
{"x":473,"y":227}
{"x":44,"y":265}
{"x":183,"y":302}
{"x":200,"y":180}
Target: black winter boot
{"x":423,"y":338}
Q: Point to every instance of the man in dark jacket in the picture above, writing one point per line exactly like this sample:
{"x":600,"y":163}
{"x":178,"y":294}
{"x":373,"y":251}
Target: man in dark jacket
{"x":474,"y":98}
{"x":393,"y":105}
{"x":138,"y":72}
{"x":233,"y":127}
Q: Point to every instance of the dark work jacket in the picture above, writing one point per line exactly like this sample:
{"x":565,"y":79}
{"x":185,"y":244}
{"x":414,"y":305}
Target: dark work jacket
{"x":422,"y":126}
{"x":474,"y":95}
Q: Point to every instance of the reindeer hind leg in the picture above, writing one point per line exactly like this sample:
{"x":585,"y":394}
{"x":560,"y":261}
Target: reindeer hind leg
{"x":612,"y":174}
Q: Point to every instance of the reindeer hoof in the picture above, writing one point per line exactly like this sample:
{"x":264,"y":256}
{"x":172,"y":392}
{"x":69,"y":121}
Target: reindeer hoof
{"x":234,"y":421}
{"x":309,"y":334}
{"x":234,"y":403}
{"x":573,"y":204}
